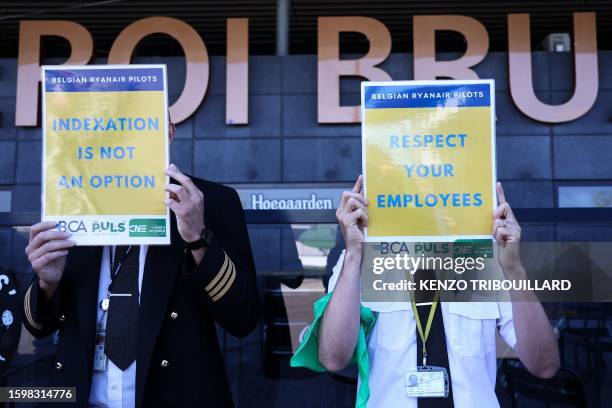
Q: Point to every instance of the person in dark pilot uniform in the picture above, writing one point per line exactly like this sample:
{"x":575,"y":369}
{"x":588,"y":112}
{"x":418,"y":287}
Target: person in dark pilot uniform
{"x":154,"y":343}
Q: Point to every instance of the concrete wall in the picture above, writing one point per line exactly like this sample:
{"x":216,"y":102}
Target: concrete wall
{"x":284,"y":143}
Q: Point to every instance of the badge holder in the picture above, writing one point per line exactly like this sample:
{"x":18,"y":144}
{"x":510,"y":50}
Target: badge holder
{"x":99,"y":355}
{"x":427,"y":382}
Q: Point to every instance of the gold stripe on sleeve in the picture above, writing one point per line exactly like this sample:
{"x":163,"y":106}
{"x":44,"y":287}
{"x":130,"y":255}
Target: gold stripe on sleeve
{"x":28,"y":310}
{"x":220,"y":273}
{"x":223,"y":281}
{"x":227,"y":286}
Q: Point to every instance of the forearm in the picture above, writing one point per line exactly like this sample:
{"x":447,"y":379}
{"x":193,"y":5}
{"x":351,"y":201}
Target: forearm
{"x":536,"y":344}
{"x":340,"y":325}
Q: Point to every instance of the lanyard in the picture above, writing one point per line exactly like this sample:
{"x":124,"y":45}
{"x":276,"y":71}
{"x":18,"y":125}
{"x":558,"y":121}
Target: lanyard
{"x":432,"y":311}
{"x":113,"y":274}
{"x":104,"y":304}
{"x":425,"y":335}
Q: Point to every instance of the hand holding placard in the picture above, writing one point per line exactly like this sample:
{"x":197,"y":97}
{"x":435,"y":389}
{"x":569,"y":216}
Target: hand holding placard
{"x":47,"y":250}
{"x":352,"y":216}
{"x":507,"y":233}
{"x":187,"y":203}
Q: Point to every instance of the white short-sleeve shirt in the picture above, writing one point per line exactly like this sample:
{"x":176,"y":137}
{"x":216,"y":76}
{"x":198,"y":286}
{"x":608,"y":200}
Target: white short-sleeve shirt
{"x":470,"y":330}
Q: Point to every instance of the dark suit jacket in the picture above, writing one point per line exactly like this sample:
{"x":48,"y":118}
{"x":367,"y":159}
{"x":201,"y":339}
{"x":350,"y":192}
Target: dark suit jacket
{"x":179,"y":305}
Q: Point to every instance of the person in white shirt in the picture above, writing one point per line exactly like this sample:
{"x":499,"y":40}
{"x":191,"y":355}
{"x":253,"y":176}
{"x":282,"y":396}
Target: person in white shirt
{"x":469,"y":328}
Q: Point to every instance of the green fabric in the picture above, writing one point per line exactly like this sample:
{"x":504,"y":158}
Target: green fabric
{"x":307,"y":354}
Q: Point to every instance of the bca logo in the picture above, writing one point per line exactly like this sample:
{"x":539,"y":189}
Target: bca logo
{"x":71,"y":226}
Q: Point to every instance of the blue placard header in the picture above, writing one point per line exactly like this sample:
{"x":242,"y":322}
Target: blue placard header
{"x":427,"y":96}
{"x":104,"y":80}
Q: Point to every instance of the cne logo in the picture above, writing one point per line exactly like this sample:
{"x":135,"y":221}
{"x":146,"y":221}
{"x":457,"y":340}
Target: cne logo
{"x":71,"y":226}
{"x":138,"y":229}
{"x":147,"y":227}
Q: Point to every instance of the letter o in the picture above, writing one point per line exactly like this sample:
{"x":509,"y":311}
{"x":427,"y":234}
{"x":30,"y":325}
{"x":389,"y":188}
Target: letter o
{"x":431,"y":200}
{"x":95,"y":181}
{"x":196,"y":78}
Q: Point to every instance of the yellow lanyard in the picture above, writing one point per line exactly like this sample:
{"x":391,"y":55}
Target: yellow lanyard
{"x":425,"y":334}
{"x":432,"y":312}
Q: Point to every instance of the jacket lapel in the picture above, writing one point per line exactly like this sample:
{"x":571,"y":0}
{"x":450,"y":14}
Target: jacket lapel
{"x":161,"y":268}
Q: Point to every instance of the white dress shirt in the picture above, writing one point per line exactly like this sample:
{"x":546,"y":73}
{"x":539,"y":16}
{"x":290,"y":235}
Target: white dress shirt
{"x":470,"y":330}
{"x":113,"y":387}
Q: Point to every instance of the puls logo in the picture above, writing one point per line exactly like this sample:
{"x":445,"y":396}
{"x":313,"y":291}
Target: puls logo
{"x":106,"y":226}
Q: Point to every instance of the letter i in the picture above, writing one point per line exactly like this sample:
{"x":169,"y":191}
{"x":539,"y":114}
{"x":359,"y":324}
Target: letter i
{"x":80,"y":152}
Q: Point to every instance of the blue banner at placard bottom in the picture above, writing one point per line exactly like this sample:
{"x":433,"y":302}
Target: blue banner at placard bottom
{"x":427,"y":96}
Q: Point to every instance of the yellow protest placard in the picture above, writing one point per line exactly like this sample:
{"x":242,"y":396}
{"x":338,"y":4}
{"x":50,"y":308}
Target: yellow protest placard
{"x":428,"y":151}
{"x":105,"y":149}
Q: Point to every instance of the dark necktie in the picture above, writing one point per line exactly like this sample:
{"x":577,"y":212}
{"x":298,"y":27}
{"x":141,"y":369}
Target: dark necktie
{"x":122,"y":320}
{"x":437,"y":354}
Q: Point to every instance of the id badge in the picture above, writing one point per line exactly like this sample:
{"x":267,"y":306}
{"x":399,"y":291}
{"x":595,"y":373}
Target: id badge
{"x":99,"y":355}
{"x":427,"y":382}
